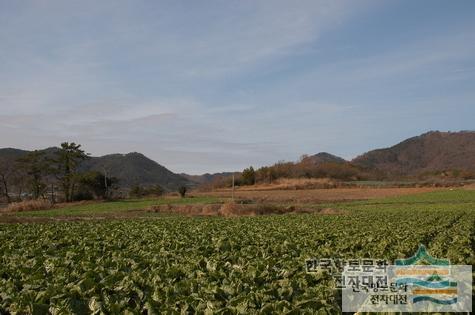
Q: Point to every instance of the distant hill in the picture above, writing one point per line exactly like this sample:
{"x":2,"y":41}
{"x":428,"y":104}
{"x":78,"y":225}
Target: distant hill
{"x":323,"y":157}
{"x":7,"y":154}
{"x":432,"y":151}
{"x":207,"y":178}
{"x":136,"y":169}
{"x":131,"y":169}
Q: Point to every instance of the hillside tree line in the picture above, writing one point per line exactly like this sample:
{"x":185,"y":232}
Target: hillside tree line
{"x":53,"y":174}
{"x":304,"y":168}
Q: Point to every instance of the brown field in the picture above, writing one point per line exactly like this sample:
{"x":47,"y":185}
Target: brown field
{"x":316,"y":195}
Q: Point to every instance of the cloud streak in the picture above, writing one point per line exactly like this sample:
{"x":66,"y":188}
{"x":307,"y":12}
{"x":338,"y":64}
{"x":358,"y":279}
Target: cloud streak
{"x":212,"y":86}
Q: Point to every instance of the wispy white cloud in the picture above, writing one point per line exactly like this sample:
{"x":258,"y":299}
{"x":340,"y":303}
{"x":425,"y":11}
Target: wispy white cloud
{"x":210,"y":86}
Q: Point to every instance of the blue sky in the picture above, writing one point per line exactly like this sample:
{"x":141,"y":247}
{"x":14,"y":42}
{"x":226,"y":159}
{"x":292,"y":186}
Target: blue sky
{"x":208,"y":86}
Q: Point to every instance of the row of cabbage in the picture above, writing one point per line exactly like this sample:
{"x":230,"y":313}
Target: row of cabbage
{"x":208,"y":265}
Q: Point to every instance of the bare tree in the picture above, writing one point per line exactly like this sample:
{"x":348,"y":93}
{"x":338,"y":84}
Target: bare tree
{"x":36,"y":168}
{"x":7,"y":172}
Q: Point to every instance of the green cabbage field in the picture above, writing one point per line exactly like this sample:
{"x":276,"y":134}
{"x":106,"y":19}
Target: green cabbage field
{"x":214,"y":265}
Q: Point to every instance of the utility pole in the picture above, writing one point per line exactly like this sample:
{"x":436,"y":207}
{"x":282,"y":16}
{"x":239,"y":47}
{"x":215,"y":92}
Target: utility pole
{"x":105,"y":182}
{"x":233,"y":189}
{"x":53,"y":200}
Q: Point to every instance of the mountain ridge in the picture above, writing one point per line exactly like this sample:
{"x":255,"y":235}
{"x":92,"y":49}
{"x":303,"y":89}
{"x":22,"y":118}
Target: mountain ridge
{"x":429,"y":152}
{"x":323,"y":157}
{"x":432,"y":151}
{"x":131,"y":168}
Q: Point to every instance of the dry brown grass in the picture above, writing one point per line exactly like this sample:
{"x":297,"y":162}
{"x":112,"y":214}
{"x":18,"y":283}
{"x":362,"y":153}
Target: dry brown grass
{"x":316,"y":195}
{"x":296,"y":184}
{"x":469,"y":186}
{"x":229,"y":209}
{"x":28,"y":205}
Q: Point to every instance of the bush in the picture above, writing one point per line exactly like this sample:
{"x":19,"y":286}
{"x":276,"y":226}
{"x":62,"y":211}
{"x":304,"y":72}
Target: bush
{"x":182,"y":191}
{"x":96,"y":185}
{"x":83,"y":195}
{"x":139,"y":191}
{"x":29,"y":205}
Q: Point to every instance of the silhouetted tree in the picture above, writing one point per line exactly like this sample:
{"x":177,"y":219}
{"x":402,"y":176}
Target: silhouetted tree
{"x":36,"y":167}
{"x":139,"y":191}
{"x":182,"y":191}
{"x":7,"y":172}
{"x":155,"y":190}
{"x":67,"y":159}
{"x":248,"y":176}
{"x":96,"y":184}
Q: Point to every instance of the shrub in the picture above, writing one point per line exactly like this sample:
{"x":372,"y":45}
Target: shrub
{"x":83,"y":195}
{"x":139,"y":191}
{"x":182,"y":191}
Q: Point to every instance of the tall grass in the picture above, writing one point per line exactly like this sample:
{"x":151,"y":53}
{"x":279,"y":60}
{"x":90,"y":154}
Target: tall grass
{"x":29,"y":205}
